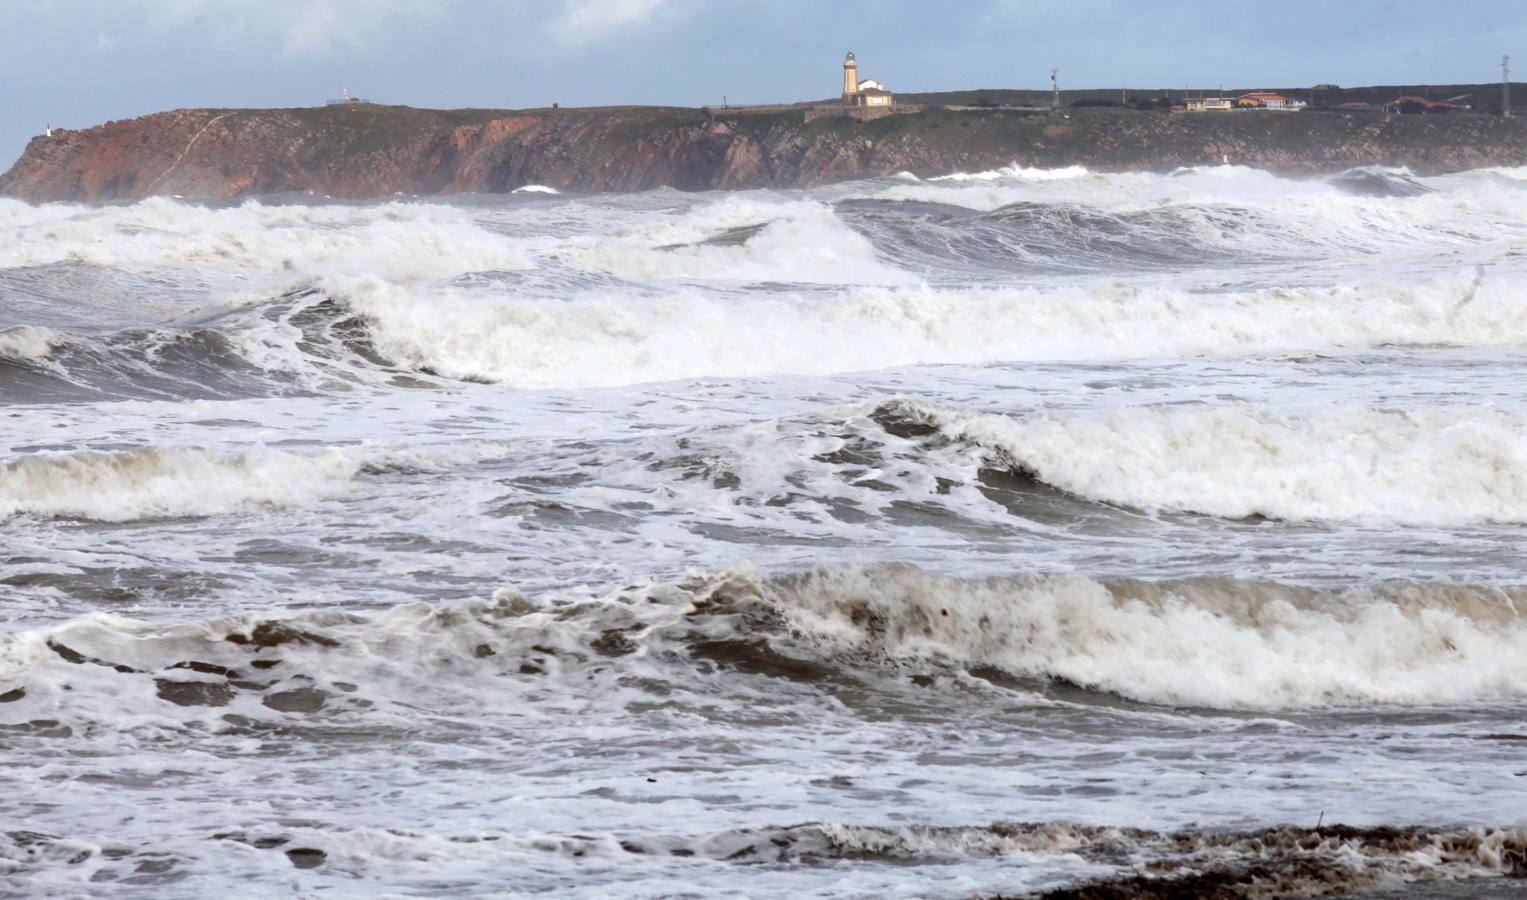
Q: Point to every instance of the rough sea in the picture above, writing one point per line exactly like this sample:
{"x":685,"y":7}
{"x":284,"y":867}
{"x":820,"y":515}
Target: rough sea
{"x":991,"y":534}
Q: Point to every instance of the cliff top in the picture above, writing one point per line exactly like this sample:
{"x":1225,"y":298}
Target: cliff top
{"x":370,"y":150}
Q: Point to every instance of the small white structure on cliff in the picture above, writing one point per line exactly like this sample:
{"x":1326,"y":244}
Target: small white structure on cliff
{"x":863,"y":93}
{"x":346,"y":100}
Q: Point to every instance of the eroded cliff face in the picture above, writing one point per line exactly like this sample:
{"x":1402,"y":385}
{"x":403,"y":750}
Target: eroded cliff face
{"x":363,"y":151}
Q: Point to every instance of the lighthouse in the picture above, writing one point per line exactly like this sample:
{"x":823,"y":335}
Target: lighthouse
{"x":866,"y":93}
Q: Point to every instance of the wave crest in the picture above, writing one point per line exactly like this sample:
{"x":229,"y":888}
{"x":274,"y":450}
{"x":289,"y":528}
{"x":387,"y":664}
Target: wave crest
{"x":595,"y":339}
{"x":1213,"y":643}
{"x":24,"y":343}
{"x":1431,"y":466}
{"x":400,"y":241}
{"x":147,"y":483}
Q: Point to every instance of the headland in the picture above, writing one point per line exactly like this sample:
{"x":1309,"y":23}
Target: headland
{"x":366,"y":150}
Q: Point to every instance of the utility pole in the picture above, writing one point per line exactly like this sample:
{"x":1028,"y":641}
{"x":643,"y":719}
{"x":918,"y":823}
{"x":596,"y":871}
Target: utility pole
{"x":1055,"y":89}
{"x":1505,"y":85}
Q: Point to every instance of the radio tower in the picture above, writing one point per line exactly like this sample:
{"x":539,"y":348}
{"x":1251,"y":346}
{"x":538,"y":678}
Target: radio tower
{"x":1505,"y":85}
{"x":1055,"y":89}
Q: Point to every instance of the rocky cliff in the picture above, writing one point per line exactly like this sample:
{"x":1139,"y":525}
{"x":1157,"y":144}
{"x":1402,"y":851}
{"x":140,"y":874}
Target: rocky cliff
{"x":364,"y":150}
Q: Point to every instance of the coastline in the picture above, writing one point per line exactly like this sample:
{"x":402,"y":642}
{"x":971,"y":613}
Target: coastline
{"x":366,"y":151}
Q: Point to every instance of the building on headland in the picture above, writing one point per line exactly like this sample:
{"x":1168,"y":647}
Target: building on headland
{"x":864,"y":100}
{"x":1254,"y":100}
{"x":346,"y":100}
{"x":1262,"y":101}
{"x":1208,"y":104}
{"x":867,"y":93}
{"x":1268,"y":100}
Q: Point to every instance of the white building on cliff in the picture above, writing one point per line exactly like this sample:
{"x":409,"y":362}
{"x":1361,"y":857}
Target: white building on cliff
{"x":863,"y":93}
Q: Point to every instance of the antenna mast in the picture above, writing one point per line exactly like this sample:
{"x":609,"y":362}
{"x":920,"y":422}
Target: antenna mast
{"x":1055,"y":89}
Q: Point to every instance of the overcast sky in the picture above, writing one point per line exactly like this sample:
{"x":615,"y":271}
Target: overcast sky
{"x":81,"y":62}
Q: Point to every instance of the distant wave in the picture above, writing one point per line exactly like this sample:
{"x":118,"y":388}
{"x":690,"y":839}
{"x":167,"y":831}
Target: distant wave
{"x":742,"y":239}
{"x":146,"y":483}
{"x":1016,"y":172}
{"x":399,"y":241}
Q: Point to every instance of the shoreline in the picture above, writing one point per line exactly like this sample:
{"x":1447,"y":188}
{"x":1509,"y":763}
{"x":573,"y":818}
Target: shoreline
{"x":367,"y":151}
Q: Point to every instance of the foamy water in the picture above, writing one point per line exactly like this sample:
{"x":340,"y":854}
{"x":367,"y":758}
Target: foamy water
{"x":968,"y":536}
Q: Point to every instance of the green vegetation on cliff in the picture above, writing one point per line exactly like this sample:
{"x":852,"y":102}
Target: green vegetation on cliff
{"x":365,"y":150}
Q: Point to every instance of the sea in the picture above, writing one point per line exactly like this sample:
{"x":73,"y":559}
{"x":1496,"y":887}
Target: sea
{"x":1011,"y":533}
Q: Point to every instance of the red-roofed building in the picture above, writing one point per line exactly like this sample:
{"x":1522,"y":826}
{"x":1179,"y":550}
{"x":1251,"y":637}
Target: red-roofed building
{"x":1260,"y":100}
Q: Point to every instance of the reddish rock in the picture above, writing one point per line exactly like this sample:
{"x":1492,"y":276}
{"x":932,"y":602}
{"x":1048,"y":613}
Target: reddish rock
{"x":362,"y":151}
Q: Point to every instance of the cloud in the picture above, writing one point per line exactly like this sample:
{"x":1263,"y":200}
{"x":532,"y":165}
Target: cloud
{"x":585,"y":20}
{"x":297,"y":27}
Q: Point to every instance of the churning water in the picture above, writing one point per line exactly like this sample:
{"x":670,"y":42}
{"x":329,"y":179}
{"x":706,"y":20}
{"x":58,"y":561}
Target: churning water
{"x":995,"y":533}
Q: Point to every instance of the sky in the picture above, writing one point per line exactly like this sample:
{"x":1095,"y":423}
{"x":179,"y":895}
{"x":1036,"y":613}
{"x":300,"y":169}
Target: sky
{"x":76,"y":63}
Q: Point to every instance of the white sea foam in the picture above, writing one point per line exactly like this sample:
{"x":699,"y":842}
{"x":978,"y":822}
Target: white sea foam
{"x":1209,"y":642}
{"x":1309,"y":216}
{"x":536,"y":189}
{"x":1213,"y":643}
{"x":617,"y":338}
{"x":1015,"y":172}
{"x":741,"y":238}
{"x":1432,"y":466}
{"x":1207,"y":186}
{"x":400,"y":241}
{"x":129,"y":485}
{"x":328,"y":622}
{"x":26,"y":343}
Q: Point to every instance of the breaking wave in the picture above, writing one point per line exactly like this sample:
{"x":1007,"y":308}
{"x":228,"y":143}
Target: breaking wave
{"x":1288,"y":860}
{"x":400,"y":241}
{"x":1214,"y":643}
{"x":26,"y":344}
{"x":742,"y":239}
{"x":604,"y":340}
{"x":1210,"y":642}
{"x":1223,"y":214}
{"x":1428,"y":466}
{"x":602,"y":337}
{"x":1351,"y":191}
{"x":1016,"y":172}
{"x":149,"y":483}
{"x":1125,"y":862}
{"x":760,"y":283}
